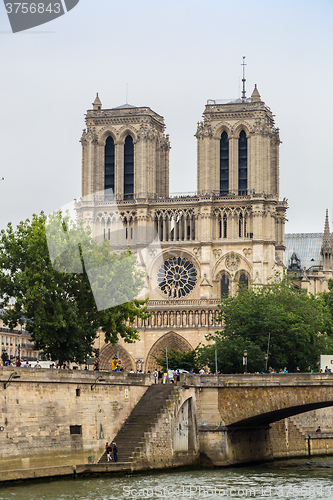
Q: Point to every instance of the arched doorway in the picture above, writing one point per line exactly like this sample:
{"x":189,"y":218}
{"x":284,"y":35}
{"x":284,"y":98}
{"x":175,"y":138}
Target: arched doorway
{"x":109,"y":351}
{"x":184,"y":431}
{"x":171,"y":340}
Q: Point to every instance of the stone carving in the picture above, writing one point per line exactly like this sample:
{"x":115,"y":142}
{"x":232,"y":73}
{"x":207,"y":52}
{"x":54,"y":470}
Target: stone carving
{"x":232,"y":262}
{"x":204,"y":130}
{"x":247,"y":252}
{"x":139,"y":364}
{"x":217,"y":253}
{"x":146,"y":132}
{"x":152,"y":252}
{"x":197,"y":252}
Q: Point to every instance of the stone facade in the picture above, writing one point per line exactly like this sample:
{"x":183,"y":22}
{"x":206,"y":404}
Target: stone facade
{"x":230,"y":232}
{"x":48,"y":411}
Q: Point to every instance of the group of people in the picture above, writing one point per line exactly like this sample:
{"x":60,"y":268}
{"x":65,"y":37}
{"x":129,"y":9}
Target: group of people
{"x":111,"y":449}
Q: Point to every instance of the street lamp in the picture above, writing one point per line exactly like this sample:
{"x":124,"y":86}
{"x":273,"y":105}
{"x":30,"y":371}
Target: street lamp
{"x":99,"y":378}
{"x":266,"y":361}
{"x":12,"y":376}
{"x":266,"y":355}
{"x":215,"y":355}
{"x":245,"y":360}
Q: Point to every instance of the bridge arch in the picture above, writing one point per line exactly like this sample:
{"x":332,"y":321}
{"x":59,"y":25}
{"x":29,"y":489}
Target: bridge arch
{"x":262,"y":400}
{"x":274,"y":416}
{"x":184,"y":427}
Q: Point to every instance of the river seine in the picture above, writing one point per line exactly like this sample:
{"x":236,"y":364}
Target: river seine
{"x":285,"y":480}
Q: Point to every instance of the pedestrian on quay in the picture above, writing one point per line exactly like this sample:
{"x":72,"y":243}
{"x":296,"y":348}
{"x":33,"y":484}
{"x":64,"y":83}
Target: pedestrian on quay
{"x":156,"y":376}
{"x":108,"y":449}
{"x":115,"y":452}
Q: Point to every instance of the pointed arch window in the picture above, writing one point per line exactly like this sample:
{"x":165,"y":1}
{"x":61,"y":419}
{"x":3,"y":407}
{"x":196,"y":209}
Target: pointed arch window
{"x":240,"y":225}
{"x":243,"y":281}
{"x":224,"y":285}
{"x":242,"y":164}
{"x":128,"y":168}
{"x":225,"y":226}
{"x":224,"y":164}
{"x":109,"y":164}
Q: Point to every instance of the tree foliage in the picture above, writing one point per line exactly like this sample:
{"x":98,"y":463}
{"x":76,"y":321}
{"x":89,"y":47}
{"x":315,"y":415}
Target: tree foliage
{"x":56,"y":300}
{"x":179,"y":359}
{"x":298,"y":324}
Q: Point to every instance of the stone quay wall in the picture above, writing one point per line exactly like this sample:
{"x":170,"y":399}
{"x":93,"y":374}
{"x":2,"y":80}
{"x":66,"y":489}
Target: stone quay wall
{"x":48,"y":410}
{"x":51,"y":411}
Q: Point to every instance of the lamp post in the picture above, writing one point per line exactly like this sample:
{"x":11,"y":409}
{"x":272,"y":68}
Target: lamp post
{"x":266,"y":355}
{"x":99,"y":378}
{"x":245,"y":360}
{"x":215,"y":356}
{"x":266,"y":361}
{"x":12,"y":376}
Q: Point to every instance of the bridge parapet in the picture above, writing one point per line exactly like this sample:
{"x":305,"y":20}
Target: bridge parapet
{"x":254,"y":400}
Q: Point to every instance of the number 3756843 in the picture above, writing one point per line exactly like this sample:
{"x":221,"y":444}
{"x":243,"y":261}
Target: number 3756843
{"x":32,"y":8}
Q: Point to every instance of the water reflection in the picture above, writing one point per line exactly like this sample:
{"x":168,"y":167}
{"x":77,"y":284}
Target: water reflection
{"x":287,"y":480}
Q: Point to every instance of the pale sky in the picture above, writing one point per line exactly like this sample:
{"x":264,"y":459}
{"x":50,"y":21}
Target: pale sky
{"x":174,"y":55}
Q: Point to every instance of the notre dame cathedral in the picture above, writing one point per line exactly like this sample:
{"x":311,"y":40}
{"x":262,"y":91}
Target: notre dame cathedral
{"x":231,"y":231}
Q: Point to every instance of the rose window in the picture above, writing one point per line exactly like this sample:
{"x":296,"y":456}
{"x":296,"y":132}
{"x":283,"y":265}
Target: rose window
{"x":177,"y":277}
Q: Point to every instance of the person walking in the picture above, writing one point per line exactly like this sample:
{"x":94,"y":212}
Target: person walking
{"x":115,"y":452}
{"x":156,"y":376}
{"x":108,"y":452}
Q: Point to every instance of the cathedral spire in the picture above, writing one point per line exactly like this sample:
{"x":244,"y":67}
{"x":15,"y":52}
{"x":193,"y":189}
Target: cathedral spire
{"x":326,"y":247}
{"x":327,"y":234}
{"x":243,"y":80}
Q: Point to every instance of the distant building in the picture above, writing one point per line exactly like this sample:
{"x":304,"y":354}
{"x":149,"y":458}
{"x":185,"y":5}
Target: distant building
{"x":309,"y":256}
{"x":17,"y":343}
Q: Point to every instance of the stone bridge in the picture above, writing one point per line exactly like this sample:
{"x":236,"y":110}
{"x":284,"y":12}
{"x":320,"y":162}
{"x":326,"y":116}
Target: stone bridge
{"x":229,"y":419}
{"x":252,"y":400}
{"x":220,"y":420}
{"x":234,"y":413}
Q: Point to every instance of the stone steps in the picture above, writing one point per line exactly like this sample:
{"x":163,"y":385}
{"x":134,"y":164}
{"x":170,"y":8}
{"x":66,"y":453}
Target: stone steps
{"x":131,"y":435}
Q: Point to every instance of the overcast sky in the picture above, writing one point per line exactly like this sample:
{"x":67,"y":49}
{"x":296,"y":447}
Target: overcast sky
{"x":174,"y":55}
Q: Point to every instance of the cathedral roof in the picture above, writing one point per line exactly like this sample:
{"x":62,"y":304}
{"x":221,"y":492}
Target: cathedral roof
{"x":125,"y":106}
{"x":307,"y":247}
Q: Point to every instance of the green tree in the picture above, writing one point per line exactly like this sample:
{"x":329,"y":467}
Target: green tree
{"x":56,"y":299}
{"x":298,"y":325}
{"x":327,"y":340}
{"x":179,"y":359}
{"x":230,"y":356}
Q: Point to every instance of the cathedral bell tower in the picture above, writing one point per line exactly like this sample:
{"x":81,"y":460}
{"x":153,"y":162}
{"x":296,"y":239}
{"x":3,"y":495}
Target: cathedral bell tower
{"x":238,"y":165}
{"x":125,"y":149}
{"x":238,"y":148}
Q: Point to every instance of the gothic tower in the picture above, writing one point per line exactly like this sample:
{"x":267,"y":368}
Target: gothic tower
{"x":238,"y":148}
{"x":125,"y":149}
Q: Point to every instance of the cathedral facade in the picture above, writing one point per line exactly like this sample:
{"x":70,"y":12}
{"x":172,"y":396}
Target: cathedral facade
{"x":230,"y":232}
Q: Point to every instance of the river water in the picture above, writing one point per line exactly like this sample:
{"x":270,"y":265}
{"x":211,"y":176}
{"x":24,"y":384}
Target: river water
{"x":285,"y":480}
